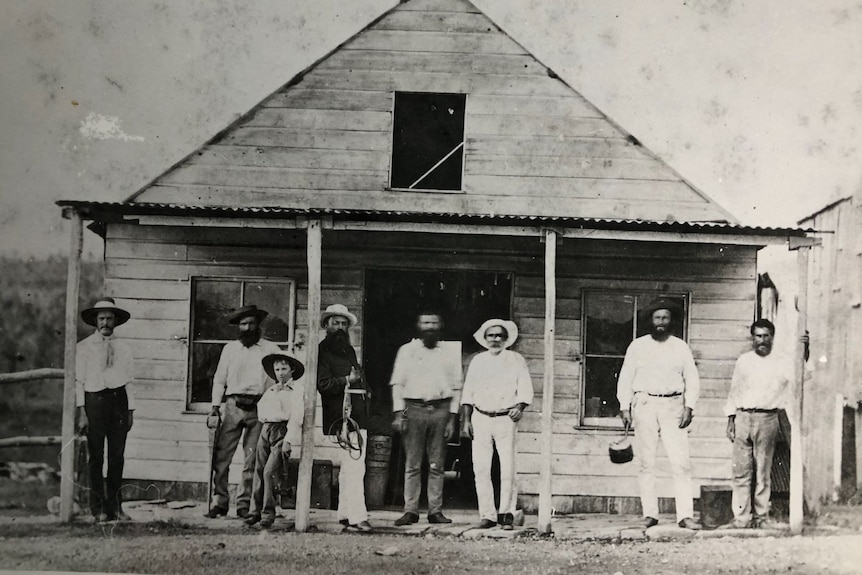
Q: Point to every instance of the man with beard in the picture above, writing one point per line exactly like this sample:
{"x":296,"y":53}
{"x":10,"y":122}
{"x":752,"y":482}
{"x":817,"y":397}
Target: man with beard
{"x":658,"y":388}
{"x":338,"y":372}
{"x":240,"y":381}
{"x":758,"y":389}
{"x":103,"y":370}
{"x":426,"y":394}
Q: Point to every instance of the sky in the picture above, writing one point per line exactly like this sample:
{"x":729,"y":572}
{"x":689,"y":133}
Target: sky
{"x":758,"y":104}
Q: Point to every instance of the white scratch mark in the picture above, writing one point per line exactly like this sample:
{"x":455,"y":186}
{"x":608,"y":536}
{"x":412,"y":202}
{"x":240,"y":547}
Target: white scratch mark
{"x":99,"y":127}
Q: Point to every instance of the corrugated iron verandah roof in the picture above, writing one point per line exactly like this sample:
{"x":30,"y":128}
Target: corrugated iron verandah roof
{"x":110,"y":211}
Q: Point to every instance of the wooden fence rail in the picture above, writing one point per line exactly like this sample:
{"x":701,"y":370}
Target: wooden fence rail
{"x":32,"y":374}
{"x":23,"y":441}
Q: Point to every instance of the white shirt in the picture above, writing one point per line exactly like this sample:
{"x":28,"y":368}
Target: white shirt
{"x":92,"y":372}
{"x":497,"y":382}
{"x":760,"y":382}
{"x":240,"y":370}
{"x":659,"y":368}
{"x":284,"y":402}
{"x":426,"y":374}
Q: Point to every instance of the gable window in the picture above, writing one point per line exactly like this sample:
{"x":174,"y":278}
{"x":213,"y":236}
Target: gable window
{"x":213,"y":301}
{"x":428,"y":141}
{"x":612,"y":320}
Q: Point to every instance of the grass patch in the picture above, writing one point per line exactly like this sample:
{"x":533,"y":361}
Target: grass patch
{"x":25,"y":498}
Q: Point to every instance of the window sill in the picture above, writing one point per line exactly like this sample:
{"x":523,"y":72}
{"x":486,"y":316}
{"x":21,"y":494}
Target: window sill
{"x":425,"y":191}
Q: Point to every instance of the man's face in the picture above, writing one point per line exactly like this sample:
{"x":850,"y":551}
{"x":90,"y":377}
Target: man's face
{"x":283,"y":372}
{"x":661,"y":320}
{"x":429,"y":326}
{"x":337,"y":327}
{"x":762,"y":341}
{"x":105,"y":322}
{"x":495,"y":336}
{"x":249,"y":330}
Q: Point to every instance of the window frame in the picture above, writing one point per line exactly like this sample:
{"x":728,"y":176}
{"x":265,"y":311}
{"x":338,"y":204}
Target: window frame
{"x":615,"y":422}
{"x":461,"y":189}
{"x":288,"y":281}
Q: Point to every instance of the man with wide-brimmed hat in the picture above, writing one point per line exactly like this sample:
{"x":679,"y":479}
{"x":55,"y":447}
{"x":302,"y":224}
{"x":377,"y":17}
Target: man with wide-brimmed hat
{"x":497,"y":389}
{"x":103,"y":371}
{"x":345,"y":419}
{"x":239,"y":382}
{"x":658,"y":388}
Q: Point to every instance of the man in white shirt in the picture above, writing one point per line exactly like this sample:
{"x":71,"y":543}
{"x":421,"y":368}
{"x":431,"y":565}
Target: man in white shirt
{"x":239,"y":381}
{"x":497,"y":389}
{"x":103,"y":370}
{"x":426,"y":394}
{"x":759,"y":388}
{"x":658,"y":388}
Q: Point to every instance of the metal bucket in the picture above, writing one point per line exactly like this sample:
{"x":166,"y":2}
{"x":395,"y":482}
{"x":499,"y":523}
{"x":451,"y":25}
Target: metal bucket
{"x":621,"y":450}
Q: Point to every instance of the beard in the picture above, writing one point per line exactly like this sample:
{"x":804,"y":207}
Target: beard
{"x":339,"y":338}
{"x":249,"y":338}
{"x":430,"y":337}
{"x":659,"y":332}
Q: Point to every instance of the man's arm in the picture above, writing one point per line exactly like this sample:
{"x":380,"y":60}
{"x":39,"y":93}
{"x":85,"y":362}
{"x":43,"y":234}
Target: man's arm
{"x":80,"y":370}
{"x":327,"y":382}
{"x":220,"y":378}
{"x":624,"y":384}
{"x":692,"y":387}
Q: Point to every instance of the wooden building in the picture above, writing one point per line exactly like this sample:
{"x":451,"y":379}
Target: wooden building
{"x":432,"y":159}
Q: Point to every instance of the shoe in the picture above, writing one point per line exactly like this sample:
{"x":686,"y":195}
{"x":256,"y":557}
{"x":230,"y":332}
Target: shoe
{"x":649,"y":522}
{"x":344,"y":522}
{"x":508,"y":527}
{"x":689,"y":523}
{"x":243,"y":513}
{"x":267,"y":522}
{"x":361,"y":527}
{"x":101,"y":517}
{"x":438,"y":518}
{"x":216,"y":512}
{"x":486,"y":524}
{"x":121,"y":516}
{"x":407,"y":519}
{"x":767,"y":523}
{"x":252,"y":519}
{"x":736,"y":524}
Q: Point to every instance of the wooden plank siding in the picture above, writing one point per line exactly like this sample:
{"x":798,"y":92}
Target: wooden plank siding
{"x":324,"y":141}
{"x":168,"y":443}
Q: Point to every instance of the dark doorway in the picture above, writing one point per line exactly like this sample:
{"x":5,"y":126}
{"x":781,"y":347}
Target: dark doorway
{"x":392,"y":299}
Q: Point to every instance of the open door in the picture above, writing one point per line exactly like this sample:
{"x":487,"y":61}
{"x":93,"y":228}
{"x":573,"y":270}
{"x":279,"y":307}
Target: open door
{"x":392,"y":298}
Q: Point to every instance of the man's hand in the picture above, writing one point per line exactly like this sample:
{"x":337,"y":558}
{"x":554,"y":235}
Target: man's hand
{"x":626,"y":416}
{"x":517,"y":412}
{"x":131,"y":420}
{"x":285,"y":448}
{"x":685,"y":418}
{"x":398,"y":422}
{"x":83,"y":422}
{"x":216,"y":410}
{"x":353,"y":376}
{"x":467,"y":429}
{"x":730,"y":431}
{"x":449,"y":432}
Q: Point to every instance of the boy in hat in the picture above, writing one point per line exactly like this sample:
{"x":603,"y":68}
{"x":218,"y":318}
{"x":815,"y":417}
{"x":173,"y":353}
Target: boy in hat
{"x":497,"y":389}
{"x":103,"y":370}
{"x":280,"y":410}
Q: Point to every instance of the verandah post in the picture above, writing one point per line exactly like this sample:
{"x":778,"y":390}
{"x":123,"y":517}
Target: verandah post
{"x":545,"y":476}
{"x":796,"y":434}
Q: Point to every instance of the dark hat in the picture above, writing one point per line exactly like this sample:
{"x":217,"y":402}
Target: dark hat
{"x":246,"y":311}
{"x":662,"y":303}
{"x":105,"y":304}
{"x":295,"y":365}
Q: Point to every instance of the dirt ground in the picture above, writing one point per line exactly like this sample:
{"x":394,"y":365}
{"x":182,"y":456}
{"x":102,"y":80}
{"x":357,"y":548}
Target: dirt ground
{"x":173,"y":547}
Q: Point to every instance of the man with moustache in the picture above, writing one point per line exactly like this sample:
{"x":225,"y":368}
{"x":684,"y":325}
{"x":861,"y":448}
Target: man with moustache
{"x":103,"y":372}
{"x":239,"y":381}
{"x":338,"y":372}
{"x":760,"y":386}
{"x":658,"y":388}
{"x":426,"y":394}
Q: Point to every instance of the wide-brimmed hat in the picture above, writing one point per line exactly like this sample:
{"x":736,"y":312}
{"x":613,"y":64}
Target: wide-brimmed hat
{"x":247,"y":311}
{"x":105,"y":304}
{"x":662,"y":303}
{"x":510,"y":327}
{"x":295,"y":365}
{"x":337,"y":309}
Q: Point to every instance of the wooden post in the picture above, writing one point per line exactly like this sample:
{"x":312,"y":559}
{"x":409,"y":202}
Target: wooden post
{"x":67,"y":459}
{"x":545,"y":476}
{"x":306,"y":459}
{"x":796,"y":447}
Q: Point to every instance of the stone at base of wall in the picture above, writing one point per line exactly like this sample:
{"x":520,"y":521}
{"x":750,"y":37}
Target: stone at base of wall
{"x":567,"y":504}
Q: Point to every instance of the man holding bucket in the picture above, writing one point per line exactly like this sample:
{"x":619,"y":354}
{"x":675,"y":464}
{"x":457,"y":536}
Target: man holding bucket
{"x":496,"y":391}
{"x":658,"y":388}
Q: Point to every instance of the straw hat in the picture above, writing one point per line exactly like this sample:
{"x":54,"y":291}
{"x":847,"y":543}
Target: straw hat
{"x":509,"y":326}
{"x":340,"y":310}
{"x":105,"y":304}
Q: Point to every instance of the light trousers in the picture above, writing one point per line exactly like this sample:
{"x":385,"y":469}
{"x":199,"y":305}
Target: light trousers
{"x":488,"y":433}
{"x":753,"y":448}
{"x":351,"y":482}
{"x":654,"y":418}
{"x":236,"y":423}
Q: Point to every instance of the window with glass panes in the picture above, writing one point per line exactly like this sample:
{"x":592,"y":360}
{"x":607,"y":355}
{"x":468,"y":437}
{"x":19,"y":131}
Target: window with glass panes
{"x":213,"y":301}
{"x":611,"y":321}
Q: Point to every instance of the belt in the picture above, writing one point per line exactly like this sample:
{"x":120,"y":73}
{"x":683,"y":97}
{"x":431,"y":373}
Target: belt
{"x":672,"y":394}
{"x":430,"y":403}
{"x":757,"y":410}
{"x":492,"y":413}
{"x":108,"y":390}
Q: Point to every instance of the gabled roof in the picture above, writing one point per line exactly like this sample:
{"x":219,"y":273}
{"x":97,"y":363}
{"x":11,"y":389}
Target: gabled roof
{"x":534,"y":146}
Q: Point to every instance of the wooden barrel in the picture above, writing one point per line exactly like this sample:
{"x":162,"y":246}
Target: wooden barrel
{"x":377,"y":455}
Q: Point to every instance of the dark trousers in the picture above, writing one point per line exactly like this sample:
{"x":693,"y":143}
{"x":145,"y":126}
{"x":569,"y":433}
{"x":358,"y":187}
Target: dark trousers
{"x":268,"y":468}
{"x":108,"y":416}
{"x":424,"y":433}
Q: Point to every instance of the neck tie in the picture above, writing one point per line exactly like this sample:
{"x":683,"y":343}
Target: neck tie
{"x":109,"y":353}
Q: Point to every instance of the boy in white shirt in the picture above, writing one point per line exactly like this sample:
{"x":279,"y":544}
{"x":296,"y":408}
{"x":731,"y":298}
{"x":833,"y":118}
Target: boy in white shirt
{"x":280,"y":409}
